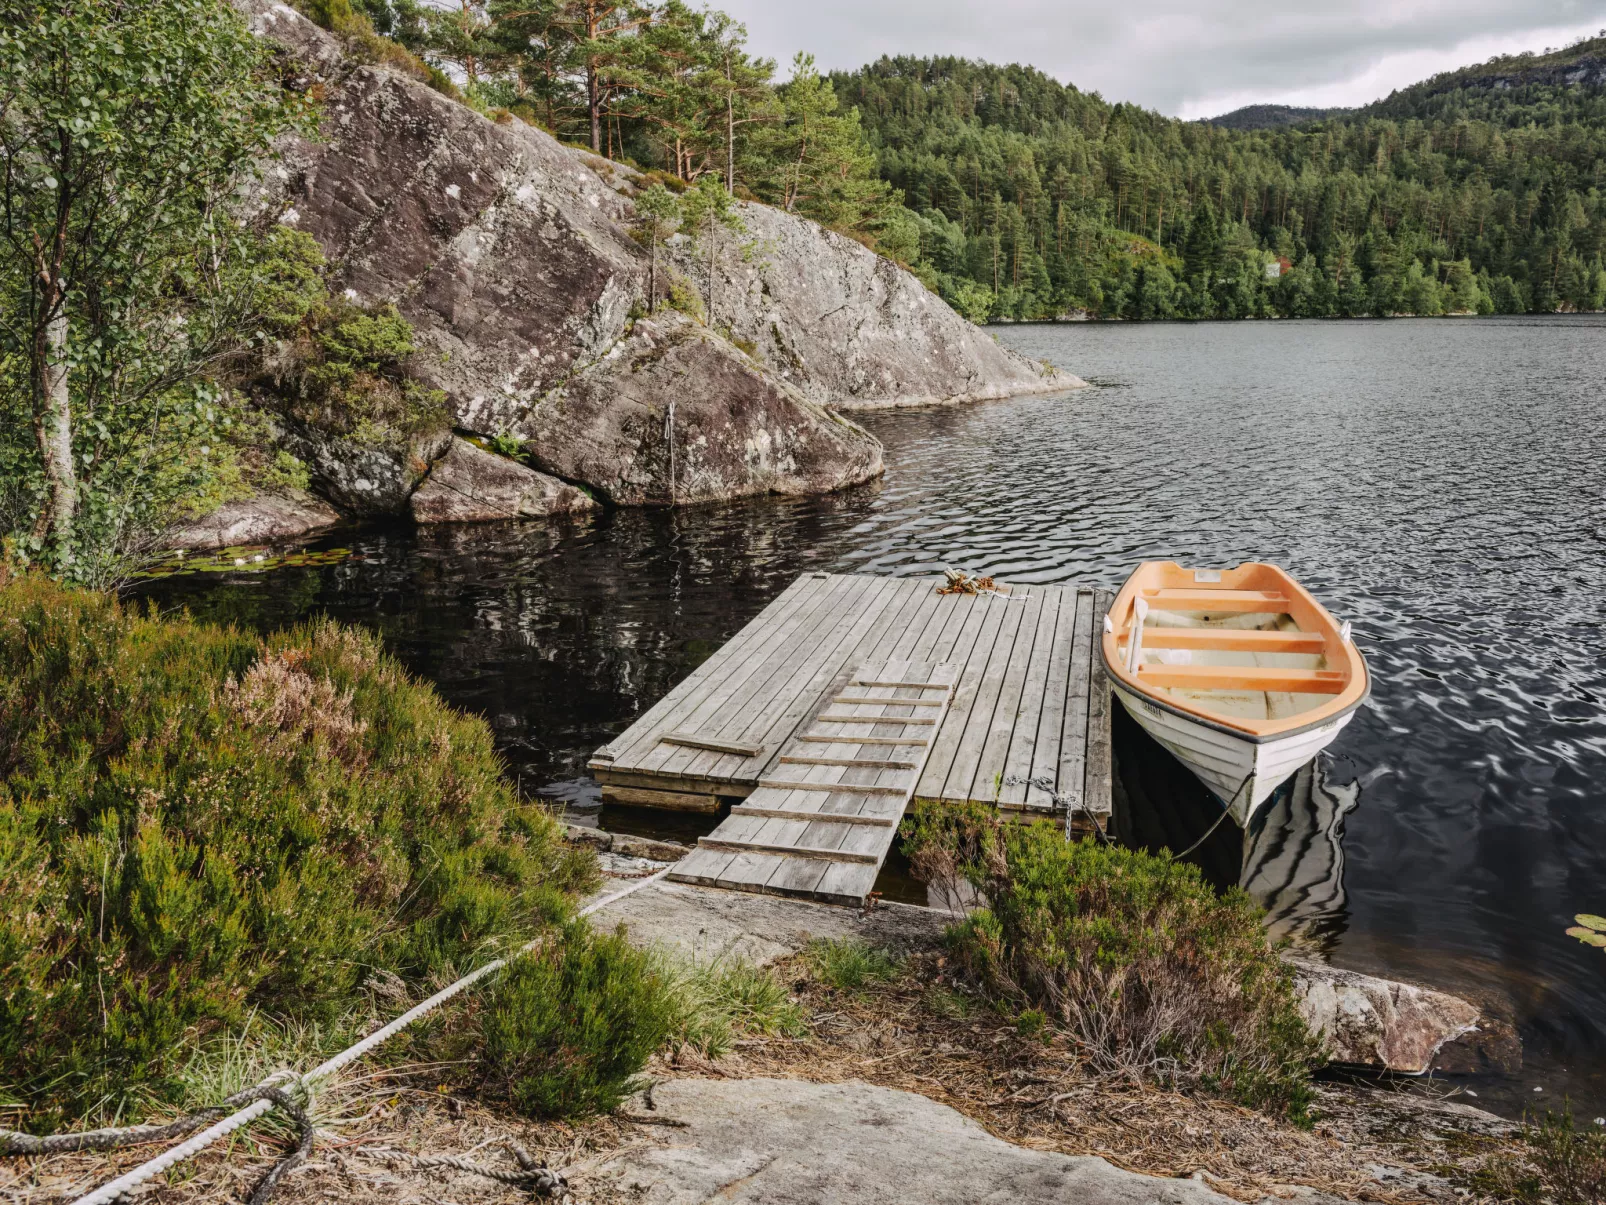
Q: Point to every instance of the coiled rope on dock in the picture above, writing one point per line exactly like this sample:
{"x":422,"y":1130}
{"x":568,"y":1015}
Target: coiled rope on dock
{"x":273,"y":1093}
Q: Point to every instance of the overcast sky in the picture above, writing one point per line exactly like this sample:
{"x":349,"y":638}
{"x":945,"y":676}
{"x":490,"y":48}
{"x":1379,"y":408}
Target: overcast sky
{"x":1187,"y":59}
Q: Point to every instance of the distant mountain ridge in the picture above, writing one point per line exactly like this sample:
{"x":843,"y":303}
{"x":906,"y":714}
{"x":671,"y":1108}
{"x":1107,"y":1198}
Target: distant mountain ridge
{"x":1271,"y":117}
{"x":1507,"y":89}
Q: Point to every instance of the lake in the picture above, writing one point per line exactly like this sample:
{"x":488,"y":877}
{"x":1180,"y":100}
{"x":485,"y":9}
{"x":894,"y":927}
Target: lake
{"x":1438,"y":482}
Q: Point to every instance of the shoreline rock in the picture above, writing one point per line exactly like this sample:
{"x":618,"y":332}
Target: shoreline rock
{"x":1369,"y":1021}
{"x":673,"y":414}
{"x":513,"y":258}
{"x":470,"y":485}
{"x":267,"y":517}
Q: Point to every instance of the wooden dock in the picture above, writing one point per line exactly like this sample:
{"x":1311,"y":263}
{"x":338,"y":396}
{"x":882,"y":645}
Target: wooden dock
{"x":1027,"y":720}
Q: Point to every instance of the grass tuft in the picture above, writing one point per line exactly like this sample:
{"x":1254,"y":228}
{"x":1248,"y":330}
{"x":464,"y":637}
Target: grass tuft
{"x":723,"y":999}
{"x":849,"y":963}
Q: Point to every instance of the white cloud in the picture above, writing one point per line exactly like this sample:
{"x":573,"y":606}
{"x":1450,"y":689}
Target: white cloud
{"x":1193,"y":59}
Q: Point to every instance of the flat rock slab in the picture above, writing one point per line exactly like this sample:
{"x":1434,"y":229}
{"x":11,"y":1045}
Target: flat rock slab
{"x":789,"y":1142}
{"x":708,"y":922}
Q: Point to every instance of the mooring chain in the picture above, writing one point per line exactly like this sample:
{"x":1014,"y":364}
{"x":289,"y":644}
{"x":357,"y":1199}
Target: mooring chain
{"x":1069,"y":800}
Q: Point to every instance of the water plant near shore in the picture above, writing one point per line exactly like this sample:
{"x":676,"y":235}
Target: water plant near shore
{"x":1157,"y":977}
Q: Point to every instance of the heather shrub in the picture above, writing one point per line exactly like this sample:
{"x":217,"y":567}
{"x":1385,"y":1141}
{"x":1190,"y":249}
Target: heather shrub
{"x":197,"y":824}
{"x":568,"y":1027}
{"x":1156,"y":976}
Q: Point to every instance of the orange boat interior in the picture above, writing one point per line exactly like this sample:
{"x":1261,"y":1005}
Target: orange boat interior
{"x":1248,"y":647}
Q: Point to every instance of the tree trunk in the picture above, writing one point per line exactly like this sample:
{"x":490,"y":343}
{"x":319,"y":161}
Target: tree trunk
{"x":594,"y":104}
{"x":730,"y":144}
{"x":711,"y":248}
{"x":54,"y":409}
{"x":652,"y":276}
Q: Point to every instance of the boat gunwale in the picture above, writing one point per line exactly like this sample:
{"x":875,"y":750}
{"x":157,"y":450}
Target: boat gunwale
{"x":1259,"y":732}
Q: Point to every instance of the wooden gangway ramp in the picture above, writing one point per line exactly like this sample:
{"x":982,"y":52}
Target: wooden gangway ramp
{"x":1029,"y":703}
{"x":821,"y":823}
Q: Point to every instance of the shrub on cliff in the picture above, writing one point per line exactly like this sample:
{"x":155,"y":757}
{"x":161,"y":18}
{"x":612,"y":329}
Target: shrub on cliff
{"x":333,"y":364}
{"x":1157,"y":976}
{"x":196,"y":823}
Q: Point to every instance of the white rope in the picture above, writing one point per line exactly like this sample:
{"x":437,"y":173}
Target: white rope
{"x":155,"y":1167}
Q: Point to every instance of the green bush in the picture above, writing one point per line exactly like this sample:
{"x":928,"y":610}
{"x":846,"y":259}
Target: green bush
{"x":196,"y":823}
{"x":1135,"y":955}
{"x":570,"y":1025}
{"x":334,"y":364}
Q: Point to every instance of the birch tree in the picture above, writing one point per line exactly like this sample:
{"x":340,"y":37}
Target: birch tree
{"x":127,"y":130}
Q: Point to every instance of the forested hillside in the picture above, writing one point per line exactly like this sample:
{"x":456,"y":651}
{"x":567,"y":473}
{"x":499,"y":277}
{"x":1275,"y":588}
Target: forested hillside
{"x":1476,"y":191}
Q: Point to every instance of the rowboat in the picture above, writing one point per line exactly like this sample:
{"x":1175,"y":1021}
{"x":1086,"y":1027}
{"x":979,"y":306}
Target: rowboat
{"x":1238,"y":672}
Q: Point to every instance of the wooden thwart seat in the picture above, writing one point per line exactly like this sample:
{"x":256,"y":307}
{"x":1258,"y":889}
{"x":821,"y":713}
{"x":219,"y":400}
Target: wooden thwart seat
{"x":1244,"y":677}
{"x":1245,"y":640}
{"x":1217,"y":600}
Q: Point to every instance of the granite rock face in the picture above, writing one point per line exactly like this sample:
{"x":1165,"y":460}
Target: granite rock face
{"x":513,"y":257}
{"x":471,"y":485}
{"x":847,"y":327}
{"x":263,"y":518}
{"x":674,"y":414}
{"x":788,"y":1142}
{"x":1379,"y":1022}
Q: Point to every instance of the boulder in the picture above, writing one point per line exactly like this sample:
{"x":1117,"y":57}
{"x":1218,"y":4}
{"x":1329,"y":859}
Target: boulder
{"x":263,"y":518}
{"x":370,"y":476}
{"x":1379,"y":1022}
{"x":674,"y":414}
{"x":789,"y":1142}
{"x":471,"y":485}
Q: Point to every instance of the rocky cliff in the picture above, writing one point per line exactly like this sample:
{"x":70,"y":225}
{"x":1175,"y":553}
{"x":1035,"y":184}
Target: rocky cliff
{"x":512,"y":255}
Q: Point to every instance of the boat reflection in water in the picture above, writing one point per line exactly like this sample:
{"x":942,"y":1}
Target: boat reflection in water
{"x":1291,"y":861}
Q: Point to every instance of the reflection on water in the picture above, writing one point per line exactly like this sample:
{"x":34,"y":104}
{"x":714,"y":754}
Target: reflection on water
{"x":1293,"y":862}
{"x":1439,"y":483}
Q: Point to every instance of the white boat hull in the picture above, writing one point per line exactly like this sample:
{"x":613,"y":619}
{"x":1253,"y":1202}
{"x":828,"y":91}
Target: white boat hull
{"x":1242,"y":773}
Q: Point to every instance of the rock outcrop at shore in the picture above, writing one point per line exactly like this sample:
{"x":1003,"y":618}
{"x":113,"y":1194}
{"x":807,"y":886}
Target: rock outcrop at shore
{"x":471,"y":485}
{"x":266,"y":517}
{"x":512,"y":257}
{"x":849,"y":328}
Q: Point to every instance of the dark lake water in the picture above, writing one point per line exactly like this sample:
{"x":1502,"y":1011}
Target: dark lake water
{"x":1440,"y":483}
